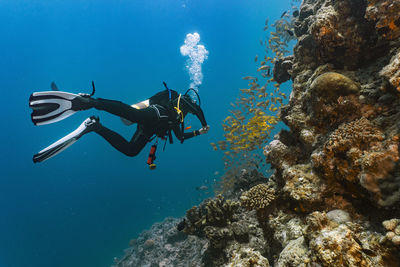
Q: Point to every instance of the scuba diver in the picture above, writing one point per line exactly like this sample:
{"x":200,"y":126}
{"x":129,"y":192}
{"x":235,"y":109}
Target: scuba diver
{"x":155,"y":117}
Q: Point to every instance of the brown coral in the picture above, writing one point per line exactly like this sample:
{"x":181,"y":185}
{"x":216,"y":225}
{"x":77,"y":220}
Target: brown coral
{"x":331,"y":85}
{"x":213,"y":212}
{"x":338,"y":33}
{"x":258,"y":197}
{"x":355,"y":152}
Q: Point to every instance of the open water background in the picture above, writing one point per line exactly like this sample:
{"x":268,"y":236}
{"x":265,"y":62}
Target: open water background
{"x":83,"y":206}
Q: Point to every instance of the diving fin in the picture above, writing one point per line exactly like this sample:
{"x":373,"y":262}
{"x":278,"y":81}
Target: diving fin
{"x":54,"y":87}
{"x":52,"y":106}
{"x":87,"y":126}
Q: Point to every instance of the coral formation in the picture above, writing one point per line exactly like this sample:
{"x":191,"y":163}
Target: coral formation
{"x":258,"y":197}
{"x":213,"y":212}
{"x":392,"y":227}
{"x":331,"y":85}
{"x":357,"y":152}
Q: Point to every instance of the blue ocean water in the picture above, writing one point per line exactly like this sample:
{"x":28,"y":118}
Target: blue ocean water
{"x":83,"y":206}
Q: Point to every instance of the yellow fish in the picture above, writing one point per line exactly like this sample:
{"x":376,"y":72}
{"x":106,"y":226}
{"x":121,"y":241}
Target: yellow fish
{"x":264,"y":67}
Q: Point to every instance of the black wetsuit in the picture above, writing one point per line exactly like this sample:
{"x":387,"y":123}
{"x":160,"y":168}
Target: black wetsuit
{"x":159,"y":119}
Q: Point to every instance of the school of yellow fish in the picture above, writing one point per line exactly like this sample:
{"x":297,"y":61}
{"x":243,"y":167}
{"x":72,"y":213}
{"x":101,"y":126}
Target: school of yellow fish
{"x":255,"y":114}
{"x":255,"y":111}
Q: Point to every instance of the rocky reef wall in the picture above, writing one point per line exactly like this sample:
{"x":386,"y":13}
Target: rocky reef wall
{"x":334,"y":196}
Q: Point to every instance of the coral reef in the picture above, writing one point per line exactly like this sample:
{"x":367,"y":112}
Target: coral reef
{"x":333,"y":198}
{"x":236,"y":229}
{"x":163,"y":245}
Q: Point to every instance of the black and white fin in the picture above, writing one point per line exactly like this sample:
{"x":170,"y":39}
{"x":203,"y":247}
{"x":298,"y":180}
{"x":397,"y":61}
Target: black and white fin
{"x":51,"y":106}
{"x":66,"y":141}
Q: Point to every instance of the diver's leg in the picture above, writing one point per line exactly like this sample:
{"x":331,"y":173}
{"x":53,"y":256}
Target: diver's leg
{"x":132,"y":148}
{"x":120,"y":109}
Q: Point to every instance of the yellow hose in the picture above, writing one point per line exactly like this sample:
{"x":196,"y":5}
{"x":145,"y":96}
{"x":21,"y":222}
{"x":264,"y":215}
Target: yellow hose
{"x":177,"y":108}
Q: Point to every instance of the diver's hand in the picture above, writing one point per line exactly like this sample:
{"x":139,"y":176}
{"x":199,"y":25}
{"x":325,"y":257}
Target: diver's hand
{"x":204,"y":130}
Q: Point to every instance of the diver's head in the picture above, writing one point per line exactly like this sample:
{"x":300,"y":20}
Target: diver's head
{"x":192,"y":96}
{"x":189,"y":98}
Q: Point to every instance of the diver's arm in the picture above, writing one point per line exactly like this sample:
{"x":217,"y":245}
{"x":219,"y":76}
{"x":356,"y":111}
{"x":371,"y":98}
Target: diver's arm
{"x":178,"y":133}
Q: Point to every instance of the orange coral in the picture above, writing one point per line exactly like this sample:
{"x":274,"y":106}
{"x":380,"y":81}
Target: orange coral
{"x":385,"y":13}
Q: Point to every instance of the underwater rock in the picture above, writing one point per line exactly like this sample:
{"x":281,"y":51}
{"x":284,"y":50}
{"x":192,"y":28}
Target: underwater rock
{"x":302,"y":185}
{"x":296,"y":253}
{"x":386,"y":16}
{"x":341,"y":32}
{"x":163,"y":245}
{"x":286,"y":227}
{"x":392,"y":71}
{"x":345,"y":244}
{"x":308,"y":136}
{"x":282,"y":69}
{"x":339,"y":216}
{"x":278,"y":154}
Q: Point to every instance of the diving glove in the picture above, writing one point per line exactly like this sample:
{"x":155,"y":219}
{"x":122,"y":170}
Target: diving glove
{"x":204,"y":130}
